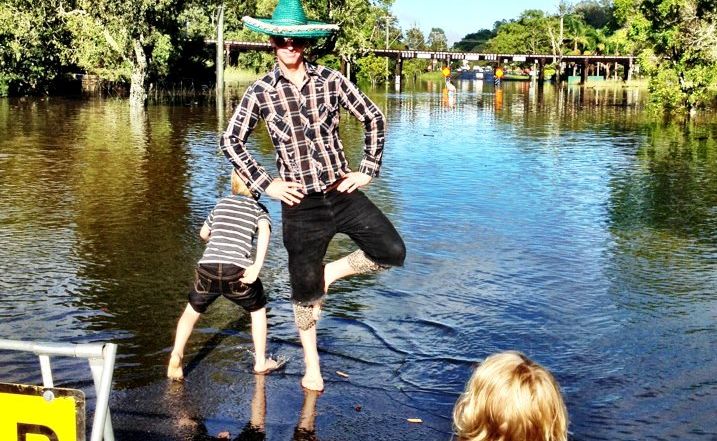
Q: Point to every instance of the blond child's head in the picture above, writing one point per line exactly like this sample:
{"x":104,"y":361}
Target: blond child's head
{"x":238,"y":185}
{"x":511,"y":398}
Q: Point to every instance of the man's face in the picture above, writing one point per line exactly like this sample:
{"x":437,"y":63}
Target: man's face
{"x":289,"y":51}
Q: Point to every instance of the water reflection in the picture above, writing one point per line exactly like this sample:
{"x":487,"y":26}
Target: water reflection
{"x":556,"y":221}
{"x":188,"y":426}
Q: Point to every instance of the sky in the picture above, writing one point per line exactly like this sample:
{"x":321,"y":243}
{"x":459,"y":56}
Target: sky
{"x":460,"y":17}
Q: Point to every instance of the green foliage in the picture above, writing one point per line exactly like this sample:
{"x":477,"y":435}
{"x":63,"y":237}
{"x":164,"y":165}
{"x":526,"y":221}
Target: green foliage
{"x":32,"y":38}
{"x":475,"y":42}
{"x":371,"y":69}
{"x":529,"y":34}
{"x":596,"y":14}
{"x":682,"y":59}
{"x":415,"y":40}
{"x":414,"y":68}
{"x":437,"y":40}
{"x":96,"y":49}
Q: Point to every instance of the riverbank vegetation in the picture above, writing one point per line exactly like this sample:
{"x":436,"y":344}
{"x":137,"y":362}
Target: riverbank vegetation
{"x":142,"y":46}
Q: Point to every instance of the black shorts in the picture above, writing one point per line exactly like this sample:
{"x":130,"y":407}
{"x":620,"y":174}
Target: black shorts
{"x":310,"y":225}
{"x":212,"y":280}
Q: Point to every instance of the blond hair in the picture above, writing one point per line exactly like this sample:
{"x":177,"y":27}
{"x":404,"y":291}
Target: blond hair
{"x":238,"y":185}
{"x":511,"y":398}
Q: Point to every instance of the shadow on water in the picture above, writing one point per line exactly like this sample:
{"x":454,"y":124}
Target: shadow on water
{"x":561,"y":222}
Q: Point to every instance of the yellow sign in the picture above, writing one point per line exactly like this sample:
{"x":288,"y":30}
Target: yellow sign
{"x":499,"y":72}
{"x":34,"y":413}
{"x":446,"y":72}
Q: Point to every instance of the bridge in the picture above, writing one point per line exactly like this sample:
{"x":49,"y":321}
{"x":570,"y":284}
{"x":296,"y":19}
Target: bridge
{"x":582,"y":62}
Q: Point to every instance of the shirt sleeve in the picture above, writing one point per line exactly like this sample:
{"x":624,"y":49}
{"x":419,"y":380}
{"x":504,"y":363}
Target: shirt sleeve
{"x":360,"y":106}
{"x":210,"y":219}
{"x":233,"y":143}
{"x":263,"y":214}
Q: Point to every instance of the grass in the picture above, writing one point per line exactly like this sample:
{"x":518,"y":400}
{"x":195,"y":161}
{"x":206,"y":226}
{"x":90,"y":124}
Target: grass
{"x":236,"y":75}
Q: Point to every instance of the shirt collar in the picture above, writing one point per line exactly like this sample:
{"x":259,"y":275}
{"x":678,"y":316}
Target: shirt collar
{"x":276,"y":73}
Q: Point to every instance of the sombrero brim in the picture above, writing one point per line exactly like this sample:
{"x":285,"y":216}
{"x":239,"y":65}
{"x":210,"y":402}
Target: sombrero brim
{"x":312,"y":29}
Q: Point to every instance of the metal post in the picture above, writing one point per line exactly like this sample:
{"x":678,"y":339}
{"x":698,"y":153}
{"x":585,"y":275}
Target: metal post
{"x":387,"y":71}
{"x":102,"y":361}
{"x":398,"y":72}
{"x":541,"y":71}
{"x":220,"y":52}
{"x":46,"y":371}
{"x":102,"y":369}
{"x":584,"y":72}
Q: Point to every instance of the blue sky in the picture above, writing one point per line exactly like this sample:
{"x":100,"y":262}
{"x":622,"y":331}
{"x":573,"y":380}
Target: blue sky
{"x":460,"y":17}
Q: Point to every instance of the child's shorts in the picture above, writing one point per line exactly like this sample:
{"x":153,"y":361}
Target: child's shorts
{"x":212,"y":280}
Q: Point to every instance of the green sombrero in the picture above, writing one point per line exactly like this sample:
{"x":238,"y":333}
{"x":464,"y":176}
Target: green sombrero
{"x":289,"y":20}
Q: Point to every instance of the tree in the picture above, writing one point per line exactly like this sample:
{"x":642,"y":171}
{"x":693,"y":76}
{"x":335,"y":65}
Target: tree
{"x":362,"y":24}
{"x":598,"y":15}
{"x":143,"y":35}
{"x":681,"y":57}
{"x":32,"y":40}
{"x":577,"y":33}
{"x":437,"y":40}
{"x":526,"y":35}
{"x":475,"y":42}
{"x":414,"y":39}
{"x":412,"y":68}
{"x":371,"y":68}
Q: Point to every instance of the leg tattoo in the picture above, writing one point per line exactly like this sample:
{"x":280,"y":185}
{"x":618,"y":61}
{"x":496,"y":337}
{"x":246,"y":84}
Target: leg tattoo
{"x":304,"y":317}
{"x":362,"y":264}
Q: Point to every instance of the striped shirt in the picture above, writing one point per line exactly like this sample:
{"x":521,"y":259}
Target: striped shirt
{"x":233,"y":224}
{"x":304,"y":127}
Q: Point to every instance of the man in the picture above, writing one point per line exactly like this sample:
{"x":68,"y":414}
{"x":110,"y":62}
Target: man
{"x":319,"y":193}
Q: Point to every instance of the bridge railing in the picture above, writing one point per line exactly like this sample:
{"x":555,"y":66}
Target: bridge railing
{"x":448,"y":55}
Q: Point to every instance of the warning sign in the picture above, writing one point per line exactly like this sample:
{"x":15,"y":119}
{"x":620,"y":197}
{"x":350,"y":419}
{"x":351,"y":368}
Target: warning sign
{"x":34,"y":413}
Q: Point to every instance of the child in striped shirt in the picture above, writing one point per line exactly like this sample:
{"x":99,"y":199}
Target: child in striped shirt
{"x":227,"y":269}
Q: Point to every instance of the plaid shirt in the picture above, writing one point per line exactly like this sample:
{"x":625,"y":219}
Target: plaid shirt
{"x":304,"y":126}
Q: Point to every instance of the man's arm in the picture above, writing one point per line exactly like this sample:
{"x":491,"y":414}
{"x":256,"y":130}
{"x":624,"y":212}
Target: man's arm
{"x":360,"y":106}
{"x":233,"y":143}
{"x":262,"y":245}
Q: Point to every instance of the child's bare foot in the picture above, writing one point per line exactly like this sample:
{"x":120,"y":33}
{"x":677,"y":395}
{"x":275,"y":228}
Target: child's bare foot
{"x":266,"y":367}
{"x":174,"y":369}
{"x":312,"y":380}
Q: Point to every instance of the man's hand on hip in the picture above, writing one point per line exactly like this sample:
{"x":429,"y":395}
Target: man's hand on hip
{"x":353,"y":181}
{"x":288,"y":192}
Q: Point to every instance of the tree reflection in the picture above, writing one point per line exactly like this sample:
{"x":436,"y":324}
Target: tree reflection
{"x":662,"y":213}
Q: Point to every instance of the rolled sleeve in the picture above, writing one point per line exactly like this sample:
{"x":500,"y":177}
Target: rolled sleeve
{"x":233,"y":144}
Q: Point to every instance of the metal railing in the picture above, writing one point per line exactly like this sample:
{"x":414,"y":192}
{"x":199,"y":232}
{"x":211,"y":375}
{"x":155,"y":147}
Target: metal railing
{"x":101,"y":357}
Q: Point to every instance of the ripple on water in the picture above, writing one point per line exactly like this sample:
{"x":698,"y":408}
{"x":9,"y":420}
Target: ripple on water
{"x":537,"y":223}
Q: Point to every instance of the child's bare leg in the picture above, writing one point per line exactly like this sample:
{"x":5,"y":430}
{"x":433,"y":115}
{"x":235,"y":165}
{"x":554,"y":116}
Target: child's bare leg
{"x":258,"y":403}
{"x":258,"y":334}
{"x":184,"y":330}
{"x":312,"y":379}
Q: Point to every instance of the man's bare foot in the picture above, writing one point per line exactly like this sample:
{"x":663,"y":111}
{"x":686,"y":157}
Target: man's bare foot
{"x":313,"y":382}
{"x":266,"y":367}
{"x":174,"y":369}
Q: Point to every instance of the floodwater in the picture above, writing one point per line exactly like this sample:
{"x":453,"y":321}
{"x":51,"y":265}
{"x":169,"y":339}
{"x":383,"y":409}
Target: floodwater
{"x":558,"y":222}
